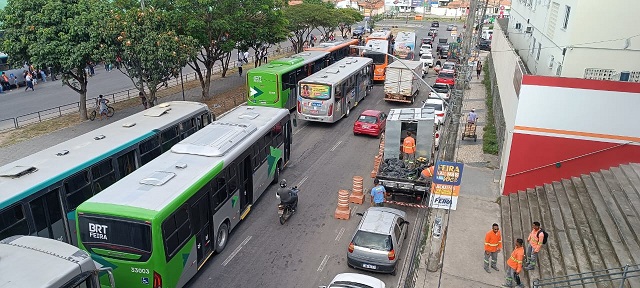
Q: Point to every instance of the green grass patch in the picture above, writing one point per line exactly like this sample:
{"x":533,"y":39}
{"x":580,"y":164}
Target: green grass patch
{"x":490,"y":138}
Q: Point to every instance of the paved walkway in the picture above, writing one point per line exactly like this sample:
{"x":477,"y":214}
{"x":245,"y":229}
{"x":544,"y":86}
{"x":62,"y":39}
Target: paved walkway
{"x":14,"y":152}
{"x":477,"y":210}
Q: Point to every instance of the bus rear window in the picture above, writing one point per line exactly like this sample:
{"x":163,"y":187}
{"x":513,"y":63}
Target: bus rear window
{"x":128,"y":236}
{"x":378,"y":58}
{"x":315,"y":91}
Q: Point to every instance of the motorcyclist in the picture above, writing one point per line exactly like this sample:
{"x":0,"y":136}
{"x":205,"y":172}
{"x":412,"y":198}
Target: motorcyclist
{"x":288,"y":196}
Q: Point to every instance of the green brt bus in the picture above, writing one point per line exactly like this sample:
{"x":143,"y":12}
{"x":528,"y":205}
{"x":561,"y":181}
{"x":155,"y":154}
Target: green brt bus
{"x":159,"y":225}
{"x":271,"y":85}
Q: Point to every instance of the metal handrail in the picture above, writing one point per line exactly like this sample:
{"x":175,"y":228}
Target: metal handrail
{"x":59,"y":111}
{"x":607,"y":275}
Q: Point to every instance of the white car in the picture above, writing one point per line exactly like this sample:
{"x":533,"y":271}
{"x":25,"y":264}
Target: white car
{"x":354,"y":280}
{"x":439,"y":107}
{"x":441,"y":89}
{"x":427,"y":62}
{"x":425,"y":49}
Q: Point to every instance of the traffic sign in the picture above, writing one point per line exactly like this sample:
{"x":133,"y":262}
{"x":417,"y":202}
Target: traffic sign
{"x":501,"y":8}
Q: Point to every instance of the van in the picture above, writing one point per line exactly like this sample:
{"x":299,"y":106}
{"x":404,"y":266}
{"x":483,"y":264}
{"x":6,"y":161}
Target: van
{"x":487,"y":34}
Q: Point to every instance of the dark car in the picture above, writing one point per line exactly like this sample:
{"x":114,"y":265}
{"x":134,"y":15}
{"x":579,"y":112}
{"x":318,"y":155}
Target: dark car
{"x":485,"y":45}
{"x":427,"y":40}
{"x":450,"y":27}
{"x":444,"y":51}
{"x":357,"y":31}
{"x":435,"y":24}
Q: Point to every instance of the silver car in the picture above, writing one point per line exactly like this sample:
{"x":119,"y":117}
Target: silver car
{"x":378,"y":240}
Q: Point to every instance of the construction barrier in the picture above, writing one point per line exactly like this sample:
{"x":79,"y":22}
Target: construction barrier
{"x":357,"y":194}
{"x":343,"y":211}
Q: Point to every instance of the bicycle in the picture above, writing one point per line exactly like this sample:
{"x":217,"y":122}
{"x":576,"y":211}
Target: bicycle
{"x":96,"y":111}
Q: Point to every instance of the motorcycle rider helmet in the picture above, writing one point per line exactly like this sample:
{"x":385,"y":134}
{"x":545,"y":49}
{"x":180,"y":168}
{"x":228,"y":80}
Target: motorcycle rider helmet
{"x":283,"y":183}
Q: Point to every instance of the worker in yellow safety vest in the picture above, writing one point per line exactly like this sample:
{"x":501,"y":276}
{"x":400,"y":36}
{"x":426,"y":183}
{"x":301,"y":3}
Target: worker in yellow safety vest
{"x":409,"y":148}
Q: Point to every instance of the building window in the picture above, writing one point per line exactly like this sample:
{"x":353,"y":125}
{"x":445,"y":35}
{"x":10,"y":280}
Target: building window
{"x":599,"y":74}
{"x":533,"y":47}
{"x":539,"y":48}
{"x":567,"y":12}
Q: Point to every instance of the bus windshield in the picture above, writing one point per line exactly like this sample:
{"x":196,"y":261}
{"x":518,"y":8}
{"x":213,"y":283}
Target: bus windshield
{"x":378,"y":58}
{"x":115,"y":234}
{"x":315,"y":91}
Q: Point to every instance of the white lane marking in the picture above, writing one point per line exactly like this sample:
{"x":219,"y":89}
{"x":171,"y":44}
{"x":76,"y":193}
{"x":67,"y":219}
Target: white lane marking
{"x":323,"y":263}
{"x":302,"y":181}
{"x":353,"y":211}
{"x":298,"y":131}
{"x":340,"y":234}
{"x":233,"y":254}
{"x":336,"y":146}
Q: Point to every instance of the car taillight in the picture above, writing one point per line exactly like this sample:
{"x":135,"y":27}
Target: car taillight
{"x":351,"y":247}
{"x":440,"y":114}
{"x":330,"y":110}
{"x":392,"y":254}
{"x":157,"y":280}
{"x":299,"y":108}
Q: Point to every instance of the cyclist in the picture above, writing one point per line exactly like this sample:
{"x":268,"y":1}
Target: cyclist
{"x":102,"y":106}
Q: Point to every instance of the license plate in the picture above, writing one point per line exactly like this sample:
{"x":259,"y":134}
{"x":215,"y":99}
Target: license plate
{"x":314,"y":111}
{"x":369,"y":266}
{"x":365,"y":126}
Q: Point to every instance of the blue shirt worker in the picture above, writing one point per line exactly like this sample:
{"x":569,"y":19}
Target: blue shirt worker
{"x":378,"y":194}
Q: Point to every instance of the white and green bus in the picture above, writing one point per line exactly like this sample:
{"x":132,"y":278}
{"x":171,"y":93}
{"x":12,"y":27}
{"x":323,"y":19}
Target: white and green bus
{"x":36,"y":262}
{"x":161,"y":223}
{"x":40,"y":192}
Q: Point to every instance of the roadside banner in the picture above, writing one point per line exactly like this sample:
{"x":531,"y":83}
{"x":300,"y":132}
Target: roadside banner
{"x":445,"y":186}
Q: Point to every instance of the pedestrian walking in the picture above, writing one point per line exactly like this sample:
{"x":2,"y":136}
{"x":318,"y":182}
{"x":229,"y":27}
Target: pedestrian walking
{"x":409,"y":148}
{"x":246,"y":57}
{"x":514,"y":265}
{"x":239,"y":65}
{"x":43,"y":76}
{"x":378,"y":194}
{"x":534,"y":244}
{"x":29,"y":80}
{"x":492,"y":246}
{"x":478,"y":69}
{"x":143,"y":99}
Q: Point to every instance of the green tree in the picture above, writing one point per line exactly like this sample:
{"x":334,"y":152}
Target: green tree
{"x":63,"y":35}
{"x":301,"y":20}
{"x":348,"y":17}
{"x":150,"y":51}
{"x":264,"y":27}
{"x":329,"y":21}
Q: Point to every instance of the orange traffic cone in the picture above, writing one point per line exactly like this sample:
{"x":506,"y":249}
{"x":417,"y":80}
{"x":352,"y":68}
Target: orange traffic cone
{"x":343,"y":211}
{"x":357,"y":194}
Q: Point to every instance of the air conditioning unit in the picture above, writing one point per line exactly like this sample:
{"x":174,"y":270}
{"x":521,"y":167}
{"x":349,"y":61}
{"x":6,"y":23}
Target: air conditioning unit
{"x":529,"y":29}
{"x":518,"y":26}
{"x":550,"y":62}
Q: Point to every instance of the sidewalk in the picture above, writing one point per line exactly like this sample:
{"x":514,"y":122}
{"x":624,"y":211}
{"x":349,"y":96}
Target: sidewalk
{"x":20,"y":150}
{"x":477,"y":210}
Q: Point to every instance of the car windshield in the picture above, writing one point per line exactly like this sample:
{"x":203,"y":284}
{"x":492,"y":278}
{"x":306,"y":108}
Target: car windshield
{"x":348,"y":284}
{"x":448,"y":66}
{"x":367,"y":119}
{"x":372,"y":241}
{"x":437,"y":107}
{"x":378,"y":58}
{"x":426,"y":56}
{"x":445,"y":75}
{"x":441,"y":88}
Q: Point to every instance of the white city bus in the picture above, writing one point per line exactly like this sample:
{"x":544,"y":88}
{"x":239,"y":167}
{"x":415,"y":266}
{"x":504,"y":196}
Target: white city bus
{"x":28,"y":261}
{"x":331,"y":93}
{"x":405,"y":44}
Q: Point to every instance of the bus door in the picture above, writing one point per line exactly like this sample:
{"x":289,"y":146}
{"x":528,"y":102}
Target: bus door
{"x":201,"y":220}
{"x":246,"y":182}
{"x":340,"y":101}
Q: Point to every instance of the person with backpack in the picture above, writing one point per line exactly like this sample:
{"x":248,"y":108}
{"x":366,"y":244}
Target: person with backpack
{"x":536,"y":239}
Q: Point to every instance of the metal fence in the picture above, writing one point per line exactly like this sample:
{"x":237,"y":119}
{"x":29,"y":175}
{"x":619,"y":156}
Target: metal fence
{"x":614,"y":276}
{"x":59,"y":111}
{"x":416,"y":252}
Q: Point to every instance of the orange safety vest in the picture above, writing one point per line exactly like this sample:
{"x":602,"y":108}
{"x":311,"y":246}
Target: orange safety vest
{"x":515,"y":261}
{"x":492,"y":241}
{"x":427,"y":172}
{"x":409,"y":145}
{"x":534,"y":241}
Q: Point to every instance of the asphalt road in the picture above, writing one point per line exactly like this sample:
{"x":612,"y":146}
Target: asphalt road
{"x":310,"y":249}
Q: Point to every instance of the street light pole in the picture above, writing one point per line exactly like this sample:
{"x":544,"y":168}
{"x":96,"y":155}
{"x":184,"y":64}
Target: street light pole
{"x":182,"y":84}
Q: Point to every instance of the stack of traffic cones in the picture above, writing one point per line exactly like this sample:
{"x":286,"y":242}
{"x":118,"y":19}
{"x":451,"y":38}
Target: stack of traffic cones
{"x":343,"y":211}
{"x":357,"y":194}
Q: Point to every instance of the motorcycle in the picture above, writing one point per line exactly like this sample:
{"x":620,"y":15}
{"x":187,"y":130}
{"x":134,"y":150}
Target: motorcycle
{"x":285,"y":210}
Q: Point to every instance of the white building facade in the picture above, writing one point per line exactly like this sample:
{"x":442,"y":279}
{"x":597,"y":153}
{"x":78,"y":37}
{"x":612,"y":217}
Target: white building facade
{"x":577,"y":38}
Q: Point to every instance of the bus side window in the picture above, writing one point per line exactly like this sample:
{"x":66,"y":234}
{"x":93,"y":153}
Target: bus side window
{"x":276,"y":135}
{"x":176,"y":230}
{"x":205,"y":119}
{"x":188,"y":127}
{"x":232,"y":177}
{"x":256,"y":151}
{"x":170,"y":137}
{"x":103,"y":175}
{"x":47,"y":215}
{"x":149,"y":149}
{"x":13,"y":222}
{"x":221,"y":190}
{"x":78,"y":189}
{"x":127,"y":163}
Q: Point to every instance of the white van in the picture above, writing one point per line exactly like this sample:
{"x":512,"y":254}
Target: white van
{"x":487,"y":34}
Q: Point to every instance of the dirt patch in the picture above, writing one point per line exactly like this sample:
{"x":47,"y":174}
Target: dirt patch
{"x":38,"y":129}
{"x":227,"y":100}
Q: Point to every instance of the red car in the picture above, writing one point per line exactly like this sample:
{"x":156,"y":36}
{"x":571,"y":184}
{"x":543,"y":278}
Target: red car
{"x":370,"y":122}
{"x":446,"y":77}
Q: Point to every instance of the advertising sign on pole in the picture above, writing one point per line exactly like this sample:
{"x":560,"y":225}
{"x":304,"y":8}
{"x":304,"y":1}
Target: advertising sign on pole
{"x":445,"y":186}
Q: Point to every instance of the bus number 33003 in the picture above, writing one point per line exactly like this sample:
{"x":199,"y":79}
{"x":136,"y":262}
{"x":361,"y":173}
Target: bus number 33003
{"x":140,"y":270}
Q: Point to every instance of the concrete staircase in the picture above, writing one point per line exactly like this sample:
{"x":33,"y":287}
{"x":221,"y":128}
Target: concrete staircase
{"x":593,"y":223}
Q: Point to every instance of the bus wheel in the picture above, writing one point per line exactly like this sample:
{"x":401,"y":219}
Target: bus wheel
{"x":223,"y":236}
{"x":348,"y":110}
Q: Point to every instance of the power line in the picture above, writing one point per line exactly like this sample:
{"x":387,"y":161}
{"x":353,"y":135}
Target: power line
{"x":568,"y":46}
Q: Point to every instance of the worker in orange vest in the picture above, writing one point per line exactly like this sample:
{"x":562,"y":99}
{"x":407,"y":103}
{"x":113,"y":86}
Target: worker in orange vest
{"x":492,"y":246}
{"x":535,"y":240}
{"x":409,"y":148}
{"x":427,"y":173}
{"x":514,"y":265}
